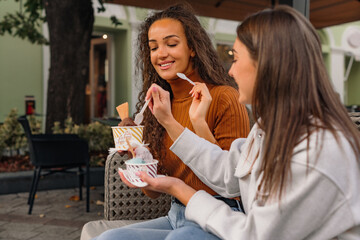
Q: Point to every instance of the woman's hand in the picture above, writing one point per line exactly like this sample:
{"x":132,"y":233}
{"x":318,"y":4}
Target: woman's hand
{"x":124,"y":180}
{"x":160,"y":184}
{"x":160,"y":106}
{"x":169,"y":185}
{"x":151,"y":194}
{"x":201,"y":102}
{"x":198,"y":110}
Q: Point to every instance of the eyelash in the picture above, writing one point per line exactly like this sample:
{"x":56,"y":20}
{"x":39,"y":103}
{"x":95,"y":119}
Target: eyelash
{"x":170,"y":45}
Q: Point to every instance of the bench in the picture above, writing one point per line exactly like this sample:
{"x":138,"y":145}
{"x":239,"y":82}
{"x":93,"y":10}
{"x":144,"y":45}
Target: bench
{"x":123,"y":205}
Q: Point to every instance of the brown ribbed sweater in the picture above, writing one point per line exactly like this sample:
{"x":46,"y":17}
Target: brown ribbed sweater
{"x":227,"y":120}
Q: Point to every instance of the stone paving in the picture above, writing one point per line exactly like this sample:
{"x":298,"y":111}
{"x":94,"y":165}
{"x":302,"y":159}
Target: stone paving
{"x":54,"y":216}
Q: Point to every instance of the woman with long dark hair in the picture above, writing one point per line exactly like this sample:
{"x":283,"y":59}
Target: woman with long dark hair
{"x":298,"y":172}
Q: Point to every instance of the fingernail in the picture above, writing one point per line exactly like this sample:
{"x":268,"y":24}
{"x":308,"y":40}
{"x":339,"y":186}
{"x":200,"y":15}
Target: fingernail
{"x":154,"y":89}
{"x":137,"y":174}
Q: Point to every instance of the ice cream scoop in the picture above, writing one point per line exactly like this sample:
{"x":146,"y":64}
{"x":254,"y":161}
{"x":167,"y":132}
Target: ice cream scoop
{"x":136,"y":160}
{"x":127,"y":122}
{"x":144,"y":153}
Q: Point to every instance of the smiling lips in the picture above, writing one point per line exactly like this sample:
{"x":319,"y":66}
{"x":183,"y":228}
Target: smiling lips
{"x":165,"y":65}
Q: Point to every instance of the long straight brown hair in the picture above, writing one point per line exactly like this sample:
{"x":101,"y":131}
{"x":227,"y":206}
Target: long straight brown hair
{"x":292,"y":89}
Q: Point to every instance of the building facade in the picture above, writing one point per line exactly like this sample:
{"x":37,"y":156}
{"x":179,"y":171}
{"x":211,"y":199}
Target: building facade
{"x":24,"y":66}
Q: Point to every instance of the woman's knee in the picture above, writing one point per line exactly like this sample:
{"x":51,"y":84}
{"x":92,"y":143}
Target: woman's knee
{"x":122,"y":233}
{"x":134,"y":233}
{"x":109,"y":234}
{"x":190,"y":233}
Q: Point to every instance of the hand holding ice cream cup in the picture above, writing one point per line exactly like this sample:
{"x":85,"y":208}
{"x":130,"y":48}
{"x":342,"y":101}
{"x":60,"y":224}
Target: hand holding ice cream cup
{"x":129,"y":137}
{"x":142,"y":161}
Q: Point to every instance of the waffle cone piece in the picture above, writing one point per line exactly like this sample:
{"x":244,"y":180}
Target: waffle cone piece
{"x":123,"y":110}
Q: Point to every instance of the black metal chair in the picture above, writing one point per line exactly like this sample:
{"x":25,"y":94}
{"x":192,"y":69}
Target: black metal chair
{"x":53,"y":153}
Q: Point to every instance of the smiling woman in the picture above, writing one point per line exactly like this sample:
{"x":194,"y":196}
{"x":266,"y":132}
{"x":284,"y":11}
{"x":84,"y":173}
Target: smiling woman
{"x":243,"y":70}
{"x":170,"y":42}
{"x":175,"y":42}
{"x":170,"y":53}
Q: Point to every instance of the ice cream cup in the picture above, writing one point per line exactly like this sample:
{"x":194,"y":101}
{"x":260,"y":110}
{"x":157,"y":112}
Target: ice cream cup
{"x":132,"y":133}
{"x":149,"y":168}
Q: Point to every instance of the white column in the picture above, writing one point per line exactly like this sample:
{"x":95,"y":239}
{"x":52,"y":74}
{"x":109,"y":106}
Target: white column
{"x":136,"y":83}
{"x":337,"y":72}
{"x":45,"y":68}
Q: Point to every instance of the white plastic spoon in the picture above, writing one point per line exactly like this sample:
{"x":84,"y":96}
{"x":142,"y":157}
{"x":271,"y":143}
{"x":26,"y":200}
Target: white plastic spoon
{"x":140,"y":116}
{"x":181,"y":75}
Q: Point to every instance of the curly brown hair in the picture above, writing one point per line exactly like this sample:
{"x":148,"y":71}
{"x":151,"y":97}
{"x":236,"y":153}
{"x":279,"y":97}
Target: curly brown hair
{"x":206,"y":62}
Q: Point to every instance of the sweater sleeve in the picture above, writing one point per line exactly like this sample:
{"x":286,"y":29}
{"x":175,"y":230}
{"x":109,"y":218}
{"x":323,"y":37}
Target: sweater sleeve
{"x":311,"y":196}
{"x":314,"y":200}
{"x":220,"y":178}
{"x":230,"y":118}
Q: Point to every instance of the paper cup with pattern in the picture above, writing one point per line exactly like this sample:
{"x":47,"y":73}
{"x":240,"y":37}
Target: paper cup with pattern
{"x":149,"y":168}
{"x":132,"y":133}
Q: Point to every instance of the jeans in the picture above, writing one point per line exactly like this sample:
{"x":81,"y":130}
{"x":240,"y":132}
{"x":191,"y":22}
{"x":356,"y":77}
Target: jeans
{"x":172,"y":227}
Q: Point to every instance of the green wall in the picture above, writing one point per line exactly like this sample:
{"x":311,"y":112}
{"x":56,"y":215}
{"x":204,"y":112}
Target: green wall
{"x":352,"y":86}
{"x":123,"y":62}
{"x":20,"y":70}
{"x":21,"y":67}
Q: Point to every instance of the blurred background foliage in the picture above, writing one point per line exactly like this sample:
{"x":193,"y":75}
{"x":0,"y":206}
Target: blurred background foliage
{"x":14,"y":143}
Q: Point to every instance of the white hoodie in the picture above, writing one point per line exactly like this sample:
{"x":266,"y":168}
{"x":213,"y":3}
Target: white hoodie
{"x":320,"y":202}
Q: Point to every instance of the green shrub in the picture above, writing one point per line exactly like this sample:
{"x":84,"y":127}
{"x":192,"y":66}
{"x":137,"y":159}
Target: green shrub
{"x":12,"y":135}
{"x":99,"y":136}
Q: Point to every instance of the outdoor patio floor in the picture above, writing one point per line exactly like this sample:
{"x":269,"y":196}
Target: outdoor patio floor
{"x":54,"y":215}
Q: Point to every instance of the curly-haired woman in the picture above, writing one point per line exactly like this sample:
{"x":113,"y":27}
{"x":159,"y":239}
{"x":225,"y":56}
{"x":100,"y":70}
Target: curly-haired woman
{"x":173,"y":41}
